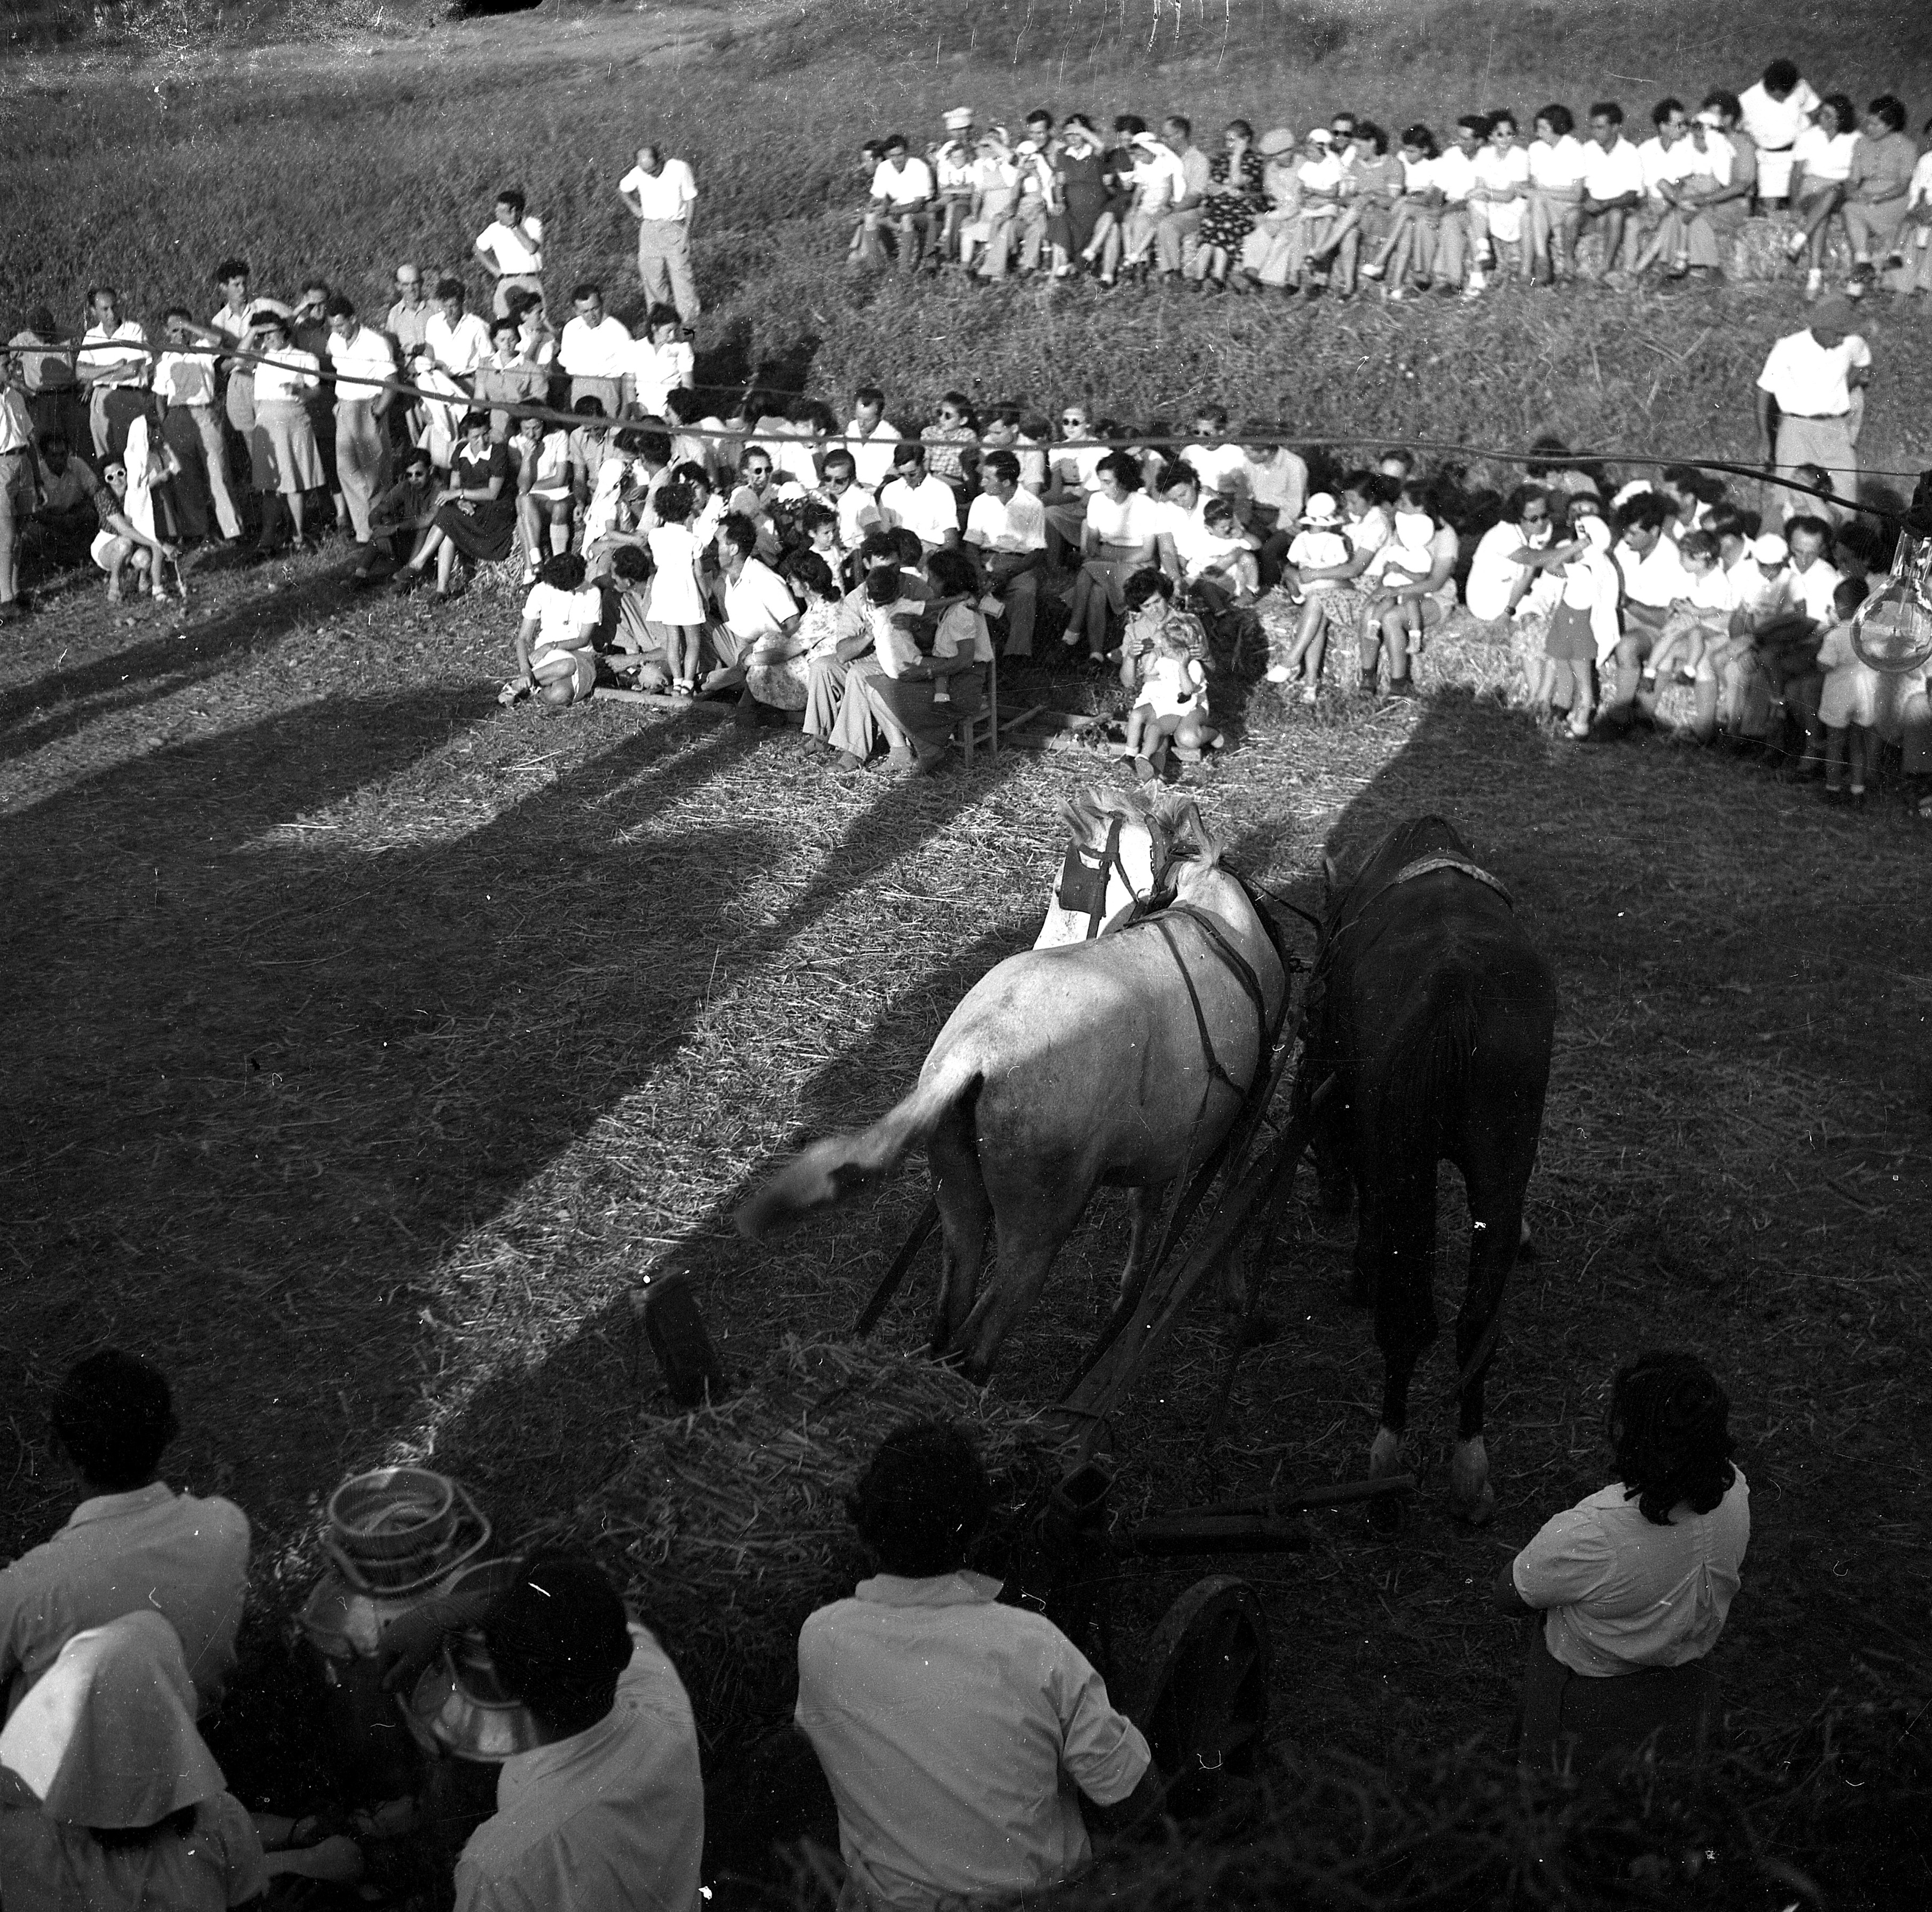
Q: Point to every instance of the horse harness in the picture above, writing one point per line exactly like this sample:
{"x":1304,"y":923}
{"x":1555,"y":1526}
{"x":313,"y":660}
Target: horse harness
{"x":1084,"y":876}
{"x":1243,"y":973}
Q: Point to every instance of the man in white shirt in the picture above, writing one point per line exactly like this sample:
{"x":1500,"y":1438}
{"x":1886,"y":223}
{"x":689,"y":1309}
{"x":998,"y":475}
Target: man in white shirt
{"x":902,"y":194}
{"x":926,"y":505}
{"x":1774,"y":111}
{"x":870,"y":438}
{"x":858,"y":508}
{"x":1654,"y":578}
{"x":1665,"y":158}
{"x":364,"y":362}
{"x":185,"y":381}
{"x":595,"y":351}
{"x":1455,"y":176}
{"x":510,"y":249}
{"x":606,"y":1813}
{"x":133,"y":1542}
{"x":1175,"y":237}
{"x":1787,"y":682}
{"x":1811,"y":377}
{"x":1613,"y":181}
{"x":956,"y":1734}
{"x":661,"y":194}
{"x":112,"y":362}
{"x":1000,"y":430}
{"x":1510,"y":574}
{"x":1006,"y":525}
{"x":20,"y":481}
{"x":759,"y":609}
{"x":455,"y":341}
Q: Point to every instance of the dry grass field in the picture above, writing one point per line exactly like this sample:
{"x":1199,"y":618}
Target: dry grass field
{"x":366,"y":1045}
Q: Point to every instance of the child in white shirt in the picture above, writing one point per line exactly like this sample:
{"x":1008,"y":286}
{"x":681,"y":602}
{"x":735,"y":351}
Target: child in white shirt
{"x":1699,"y":622}
{"x":1318,"y":546}
{"x":677,"y":592}
{"x":1405,"y":560}
{"x":962,"y":631}
{"x":555,"y":659}
{"x":1172,"y":705}
{"x":1848,"y":707}
{"x":1223,"y":567}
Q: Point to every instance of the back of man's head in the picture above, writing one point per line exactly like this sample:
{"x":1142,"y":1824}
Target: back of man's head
{"x":921,"y":1500}
{"x":113,"y":1417}
{"x":558,"y":1638}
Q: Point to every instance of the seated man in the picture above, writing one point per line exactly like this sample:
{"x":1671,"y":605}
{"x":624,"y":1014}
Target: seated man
{"x":954,"y":1731}
{"x":607,"y":1814}
{"x":1006,"y":526}
{"x":399,"y":516}
{"x":132,"y":1544}
{"x":66,"y":520}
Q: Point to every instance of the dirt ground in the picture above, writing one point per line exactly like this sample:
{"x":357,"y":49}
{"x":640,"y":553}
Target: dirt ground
{"x":365,"y":1044}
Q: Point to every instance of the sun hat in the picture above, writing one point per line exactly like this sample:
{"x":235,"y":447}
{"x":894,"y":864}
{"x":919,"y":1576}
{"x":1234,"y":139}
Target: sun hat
{"x":1320,"y":136}
{"x":1277,"y":139}
{"x":1770,"y":549}
{"x":1710,"y":116}
{"x":957,"y":118}
{"x":1322,"y":513}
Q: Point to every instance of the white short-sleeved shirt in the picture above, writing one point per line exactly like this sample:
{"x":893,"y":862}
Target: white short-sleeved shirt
{"x":1812,"y":590}
{"x":98,"y":353}
{"x":1622,"y":1593}
{"x":1919,"y":192}
{"x":185,"y":378}
{"x":658,"y":370}
{"x":562,"y":616}
{"x":609,"y":1820}
{"x":1826,"y":156}
{"x":517,"y":249}
{"x":1657,"y":579}
{"x":668,"y":194}
{"x":186,"y":1559}
{"x":955,"y":1733}
{"x":286,"y":376}
{"x":461,"y":348}
{"x":1775,"y":124}
{"x":1556,"y":168}
{"x":1160,"y":177}
{"x":909,"y":185}
{"x":1418,"y":175}
{"x":1186,"y":529}
{"x":872,"y":453}
{"x":758,"y":602}
{"x":601,"y":351}
{"x":1216,"y":466}
{"x":931,"y":508}
{"x":1455,"y":174}
{"x":1320,"y":176}
{"x":1609,"y":175}
{"x":1710,"y":591}
{"x":962,"y":629}
{"x":1493,"y":574}
{"x":1810,"y":380}
{"x":1503,"y":173}
{"x":362,"y":365}
{"x":1019,"y":524}
{"x":1135,"y":520}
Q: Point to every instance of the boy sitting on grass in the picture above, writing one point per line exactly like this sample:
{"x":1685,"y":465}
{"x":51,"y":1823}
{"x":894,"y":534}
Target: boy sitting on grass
{"x":555,"y":657}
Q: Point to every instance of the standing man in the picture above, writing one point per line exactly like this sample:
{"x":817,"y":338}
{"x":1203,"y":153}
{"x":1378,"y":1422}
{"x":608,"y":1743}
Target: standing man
{"x":660,"y":193}
{"x":112,"y":365}
{"x":1813,"y":378}
{"x":1006,"y":526}
{"x":1613,"y":181}
{"x":1174,"y":237}
{"x":365,"y":365}
{"x":184,"y":381}
{"x":407,"y":324}
{"x":510,"y":249}
{"x":20,"y":481}
{"x":595,"y":352}
{"x":456,"y":341}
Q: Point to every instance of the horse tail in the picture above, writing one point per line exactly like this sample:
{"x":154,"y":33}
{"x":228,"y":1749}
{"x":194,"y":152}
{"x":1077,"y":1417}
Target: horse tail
{"x":826,"y":1173}
{"x":1429,"y":1071}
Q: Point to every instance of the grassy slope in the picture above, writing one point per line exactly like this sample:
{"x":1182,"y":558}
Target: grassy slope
{"x":393,"y":1037}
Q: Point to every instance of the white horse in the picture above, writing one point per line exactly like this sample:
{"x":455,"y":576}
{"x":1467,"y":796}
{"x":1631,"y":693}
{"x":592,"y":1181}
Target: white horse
{"x":1123,"y":1058}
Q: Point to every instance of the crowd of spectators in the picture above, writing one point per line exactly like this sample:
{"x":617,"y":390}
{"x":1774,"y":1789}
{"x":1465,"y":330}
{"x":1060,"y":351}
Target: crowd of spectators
{"x":1339,"y":208}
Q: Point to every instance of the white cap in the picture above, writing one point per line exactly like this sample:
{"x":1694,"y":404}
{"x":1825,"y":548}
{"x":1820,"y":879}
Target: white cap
{"x":1322,"y":510}
{"x":1770,"y":549}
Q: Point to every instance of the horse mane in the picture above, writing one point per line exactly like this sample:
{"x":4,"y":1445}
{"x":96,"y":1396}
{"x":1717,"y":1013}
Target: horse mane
{"x":1420,"y":836}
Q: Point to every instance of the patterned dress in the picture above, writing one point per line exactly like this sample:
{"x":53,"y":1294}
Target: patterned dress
{"x":1227,"y":219}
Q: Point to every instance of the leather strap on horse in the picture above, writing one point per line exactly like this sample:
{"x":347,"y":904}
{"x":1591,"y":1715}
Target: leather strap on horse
{"x":1243,"y":973}
{"x":1425,"y":866}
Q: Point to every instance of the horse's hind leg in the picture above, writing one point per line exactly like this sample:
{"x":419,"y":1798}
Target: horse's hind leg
{"x":1495,"y":1230}
{"x":1398,"y":1231}
{"x":1027,"y":1243}
{"x":964,"y":1212}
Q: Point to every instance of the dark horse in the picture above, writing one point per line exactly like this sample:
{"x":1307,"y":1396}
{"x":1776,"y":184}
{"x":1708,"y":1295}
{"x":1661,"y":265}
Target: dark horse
{"x":1435,"y":1015}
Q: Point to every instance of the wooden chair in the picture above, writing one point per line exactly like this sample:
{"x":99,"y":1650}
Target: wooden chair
{"x":983,"y":726}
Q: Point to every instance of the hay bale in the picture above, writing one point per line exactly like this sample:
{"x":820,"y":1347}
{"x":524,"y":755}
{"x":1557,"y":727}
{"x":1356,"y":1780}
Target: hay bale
{"x":727,"y":1527}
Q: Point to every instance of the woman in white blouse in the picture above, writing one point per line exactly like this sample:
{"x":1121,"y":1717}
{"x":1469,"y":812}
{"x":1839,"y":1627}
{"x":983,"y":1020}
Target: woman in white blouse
{"x":1118,"y":536}
{"x":1821,"y":163}
{"x":282,"y":448}
{"x":1632,"y":1585}
{"x":1556,"y":169}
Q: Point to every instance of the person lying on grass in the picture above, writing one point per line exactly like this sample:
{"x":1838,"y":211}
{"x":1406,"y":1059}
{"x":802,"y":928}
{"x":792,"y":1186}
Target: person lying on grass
{"x":606,"y":1813}
{"x":959,"y":1735}
{"x":556,"y":658}
{"x":1631,"y":1586}
{"x":132,"y":1543}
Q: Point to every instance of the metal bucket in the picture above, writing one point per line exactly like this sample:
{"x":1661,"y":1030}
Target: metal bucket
{"x":394,"y":1517}
{"x":459,"y":1707}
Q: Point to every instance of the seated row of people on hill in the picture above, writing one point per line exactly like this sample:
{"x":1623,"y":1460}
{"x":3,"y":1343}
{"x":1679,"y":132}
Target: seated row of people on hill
{"x":1336,"y":207}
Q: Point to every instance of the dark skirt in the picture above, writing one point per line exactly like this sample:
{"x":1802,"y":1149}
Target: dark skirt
{"x":1570,"y":640}
{"x":484,"y":532}
{"x":1570,"y":1716}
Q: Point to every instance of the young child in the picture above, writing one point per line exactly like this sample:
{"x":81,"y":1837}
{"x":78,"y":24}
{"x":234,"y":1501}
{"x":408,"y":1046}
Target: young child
{"x":1699,"y":622}
{"x":1148,"y":596}
{"x":1583,"y":627}
{"x":1848,"y":707}
{"x":677,"y":593}
{"x":1224,"y":570}
{"x":961,"y":634}
{"x":556,"y":655}
{"x":1172,"y":705}
{"x":957,"y":428}
{"x":1318,"y":545}
{"x":1405,"y":560}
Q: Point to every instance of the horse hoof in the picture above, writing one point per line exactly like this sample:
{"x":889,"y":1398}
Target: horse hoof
{"x":1478,"y":1513}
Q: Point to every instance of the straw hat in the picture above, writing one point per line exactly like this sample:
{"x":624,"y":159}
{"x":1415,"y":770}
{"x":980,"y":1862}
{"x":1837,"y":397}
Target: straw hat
{"x":1276,"y":140}
{"x":958,"y":119}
